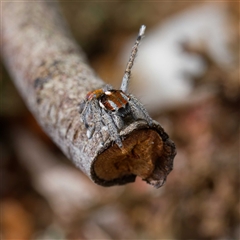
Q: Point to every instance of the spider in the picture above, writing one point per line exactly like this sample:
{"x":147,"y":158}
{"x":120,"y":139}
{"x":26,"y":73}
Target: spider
{"x":113,"y":109}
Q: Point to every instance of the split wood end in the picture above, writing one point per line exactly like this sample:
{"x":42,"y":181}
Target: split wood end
{"x":147,"y":153}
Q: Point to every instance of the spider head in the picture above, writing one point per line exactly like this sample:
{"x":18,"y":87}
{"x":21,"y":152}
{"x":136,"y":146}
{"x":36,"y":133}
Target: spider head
{"x":116,"y":102}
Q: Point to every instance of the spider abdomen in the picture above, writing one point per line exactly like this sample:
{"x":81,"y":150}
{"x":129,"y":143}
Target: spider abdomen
{"x":114,"y":101}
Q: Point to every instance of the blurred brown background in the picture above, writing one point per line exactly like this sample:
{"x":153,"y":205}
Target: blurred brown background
{"x":43,"y":196}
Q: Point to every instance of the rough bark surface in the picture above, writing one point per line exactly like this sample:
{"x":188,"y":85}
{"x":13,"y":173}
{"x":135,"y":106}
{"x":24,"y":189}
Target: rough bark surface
{"x":52,"y":74}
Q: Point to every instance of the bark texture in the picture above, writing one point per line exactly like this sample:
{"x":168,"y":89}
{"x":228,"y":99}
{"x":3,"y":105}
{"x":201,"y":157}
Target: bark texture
{"x":52,"y":74}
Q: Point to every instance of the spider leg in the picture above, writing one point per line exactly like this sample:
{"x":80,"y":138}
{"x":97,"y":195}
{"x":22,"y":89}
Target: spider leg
{"x":118,"y":121}
{"x":135,"y":106}
{"x":85,"y":113}
{"x":90,"y":131}
{"x":113,"y":131}
{"x":82,"y":106}
{"x":127,"y":74}
{"x":97,"y":118}
{"x":89,"y":126}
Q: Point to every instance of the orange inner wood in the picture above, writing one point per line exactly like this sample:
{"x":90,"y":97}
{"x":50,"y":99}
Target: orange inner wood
{"x":138,"y":156}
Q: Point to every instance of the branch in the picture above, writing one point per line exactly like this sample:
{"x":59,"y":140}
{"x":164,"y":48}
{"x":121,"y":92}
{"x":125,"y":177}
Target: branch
{"x":52,"y":74}
{"x":47,"y":176}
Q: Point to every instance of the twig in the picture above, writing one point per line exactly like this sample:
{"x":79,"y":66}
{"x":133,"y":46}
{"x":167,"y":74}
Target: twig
{"x":53,"y":77}
{"x":47,"y":176}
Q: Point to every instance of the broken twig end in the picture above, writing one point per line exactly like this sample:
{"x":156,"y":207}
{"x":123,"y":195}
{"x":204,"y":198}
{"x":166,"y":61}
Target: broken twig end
{"x":147,"y":152}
